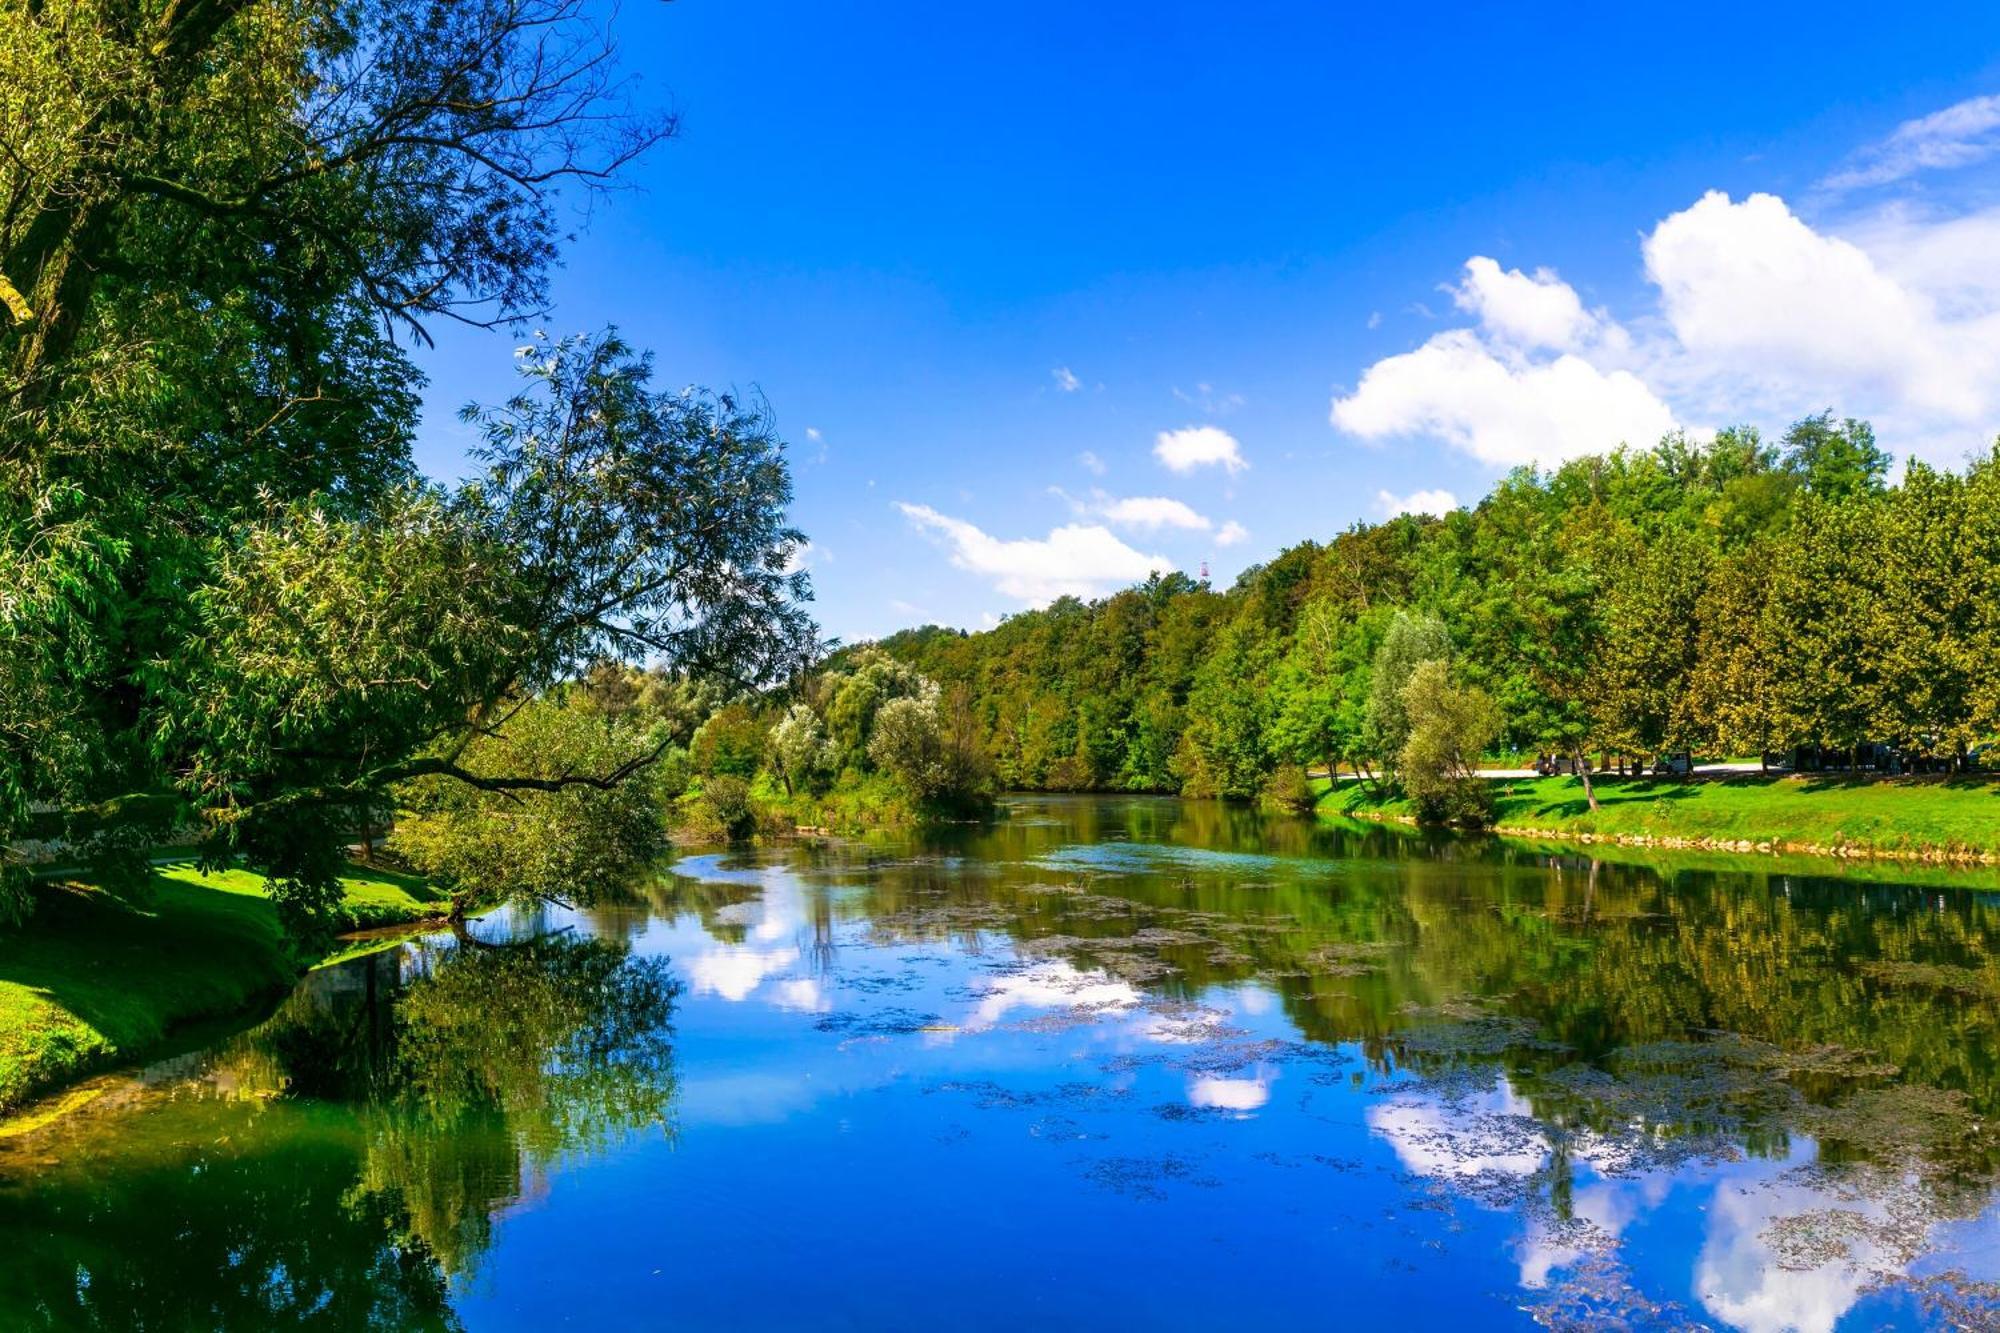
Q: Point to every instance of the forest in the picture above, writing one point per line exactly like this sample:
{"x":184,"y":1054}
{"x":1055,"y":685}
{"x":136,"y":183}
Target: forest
{"x":1727,"y":597}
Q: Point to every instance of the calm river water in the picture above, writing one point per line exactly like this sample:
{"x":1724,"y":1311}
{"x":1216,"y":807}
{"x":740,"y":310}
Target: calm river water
{"x":1112,"y":1063}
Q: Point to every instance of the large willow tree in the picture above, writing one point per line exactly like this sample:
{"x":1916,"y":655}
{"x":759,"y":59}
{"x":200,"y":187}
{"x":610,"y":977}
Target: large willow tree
{"x":225,"y":593}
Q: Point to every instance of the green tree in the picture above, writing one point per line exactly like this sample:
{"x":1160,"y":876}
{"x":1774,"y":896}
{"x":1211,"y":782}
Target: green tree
{"x":801,"y":754}
{"x":340,"y":658}
{"x":1449,"y":727}
{"x":1410,"y":640}
{"x":226,"y":584}
{"x":928,"y":744}
{"x":1835,"y":460}
{"x":566,"y":843}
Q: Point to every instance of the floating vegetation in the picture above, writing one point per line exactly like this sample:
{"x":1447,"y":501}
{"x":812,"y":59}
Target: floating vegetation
{"x":1901,"y":1123}
{"x":1146,"y":1177}
{"x":989,"y":1096}
{"x":1973,"y":982}
{"x":878,"y":1023}
{"x":1951,"y":1299}
{"x":1598,"y":1294}
{"x":1463,"y":1038}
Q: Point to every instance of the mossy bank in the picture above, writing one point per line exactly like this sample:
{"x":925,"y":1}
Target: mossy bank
{"x":92,"y":979}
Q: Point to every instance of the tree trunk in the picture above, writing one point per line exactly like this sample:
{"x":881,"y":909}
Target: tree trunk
{"x":1583,"y":772}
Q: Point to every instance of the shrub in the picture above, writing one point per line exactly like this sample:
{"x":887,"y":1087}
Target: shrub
{"x":1449,"y":727}
{"x":1290,"y":789}
{"x":931,"y":748}
{"x":728,"y":799}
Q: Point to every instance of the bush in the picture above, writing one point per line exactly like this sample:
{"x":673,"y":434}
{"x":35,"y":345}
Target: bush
{"x":932,"y":749}
{"x":1290,"y":789}
{"x":1449,"y":727}
{"x":728,"y":800}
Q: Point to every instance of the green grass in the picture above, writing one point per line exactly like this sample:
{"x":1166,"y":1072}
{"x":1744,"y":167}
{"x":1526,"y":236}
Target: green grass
{"x":92,"y":979}
{"x":1910,"y":815}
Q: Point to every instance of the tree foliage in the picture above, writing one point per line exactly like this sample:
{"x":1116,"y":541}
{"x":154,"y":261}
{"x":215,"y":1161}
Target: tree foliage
{"x":1725,"y":596}
{"x":224,"y":587}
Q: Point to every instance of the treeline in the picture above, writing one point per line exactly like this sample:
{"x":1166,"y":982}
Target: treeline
{"x":1732,"y":597}
{"x":605,"y":770}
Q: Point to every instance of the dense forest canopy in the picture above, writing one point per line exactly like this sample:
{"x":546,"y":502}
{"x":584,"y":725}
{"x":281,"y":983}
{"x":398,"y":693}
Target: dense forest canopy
{"x":228,"y":601}
{"x":1728,"y":596}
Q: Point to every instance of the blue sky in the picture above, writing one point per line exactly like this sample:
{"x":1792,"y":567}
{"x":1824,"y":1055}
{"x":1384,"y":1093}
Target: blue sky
{"x":1047,"y":295}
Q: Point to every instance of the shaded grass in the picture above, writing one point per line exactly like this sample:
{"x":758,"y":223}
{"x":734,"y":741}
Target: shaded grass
{"x":1914,"y":814}
{"x":92,"y":978}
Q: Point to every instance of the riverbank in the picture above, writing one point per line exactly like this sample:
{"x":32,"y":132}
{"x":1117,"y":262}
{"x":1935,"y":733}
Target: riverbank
{"x":91,"y":980}
{"x":1913,"y":818}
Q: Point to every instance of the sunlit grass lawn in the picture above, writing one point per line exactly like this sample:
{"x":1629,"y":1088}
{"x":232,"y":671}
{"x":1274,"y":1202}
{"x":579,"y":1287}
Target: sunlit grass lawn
{"x":1890,"y":814}
{"x":91,"y":978}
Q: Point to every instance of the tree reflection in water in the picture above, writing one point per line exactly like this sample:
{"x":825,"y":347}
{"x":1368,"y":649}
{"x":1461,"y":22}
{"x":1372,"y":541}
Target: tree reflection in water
{"x":342,"y":1165}
{"x":1730,"y":1093}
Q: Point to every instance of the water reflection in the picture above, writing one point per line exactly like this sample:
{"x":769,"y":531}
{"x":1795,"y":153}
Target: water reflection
{"x":342,"y":1165}
{"x":1137,"y":1062}
{"x":1581,"y":1045}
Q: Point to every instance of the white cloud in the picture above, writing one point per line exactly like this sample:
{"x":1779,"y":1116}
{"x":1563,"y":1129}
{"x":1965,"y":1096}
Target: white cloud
{"x":812,"y":433}
{"x":1501,"y":411}
{"x":1150,"y":513}
{"x":1769,"y":309}
{"x":1136,"y":513}
{"x":1958,"y":136}
{"x":1537,"y":311}
{"x":1091,"y":463}
{"x":1073,"y":560}
{"x":1759,"y":317}
{"x":1198,"y":446}
{"x":1066,"y":379}
{"x":1416,"y":502}
{"x":1489,"y":1133}
{"x":1231,"y":533}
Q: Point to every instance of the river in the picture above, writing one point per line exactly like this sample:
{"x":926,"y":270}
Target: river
{"x":1109,"y":1063}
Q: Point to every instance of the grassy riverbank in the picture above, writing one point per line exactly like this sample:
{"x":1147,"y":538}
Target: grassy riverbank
{"x":91,"y":980}
{"x":1818,"y":813}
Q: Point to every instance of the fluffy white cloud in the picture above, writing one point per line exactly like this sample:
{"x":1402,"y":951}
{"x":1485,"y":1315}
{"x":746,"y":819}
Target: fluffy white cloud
{"x":1416,"y":502}
{"x":1760,"y":317}
{"x":1957,"y":136}
{"x":1230,"y":533}
{"x":1537,"y":311}
{"x":1135,"y":513}
{"x":1769,"y":308}
{"x":1503,"y":411}
{"x":1091,"y":463}
{"x":1076,"y":559}
{"x":1066,"y":379}
{"x":1149,"y":513}
{"x":1191,"y":447}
